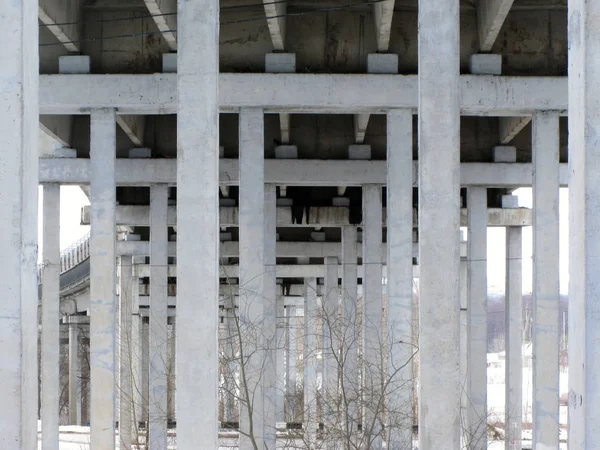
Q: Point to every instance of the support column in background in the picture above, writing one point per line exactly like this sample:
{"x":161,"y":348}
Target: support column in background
{"x":50,"y":391}
{"x":145,"y":370}
{"x":372,"y":319}
{"x":252,"y":275}
{"x":584,"y":220}
{"x":350,"y":379}
{"x":19,"y":130}
{"x":513,"y":339}
{"x":399,"y":324}
{"x":290,"y":366}
{"x":159,"y":334}
{"x":103,"y":147}
{"x":330,"y":353}
{"x":310,"y":422}
{"x":126,"y":354}
{"x":74,"y":376}
{"x":197,"y":223}
{"x":280,"y":363}
{"x":546,"y":294}
{"x":439,"y":205}
{"x":477,"y":317}
{"x":464,"y":331}
{"x":271,"y":375}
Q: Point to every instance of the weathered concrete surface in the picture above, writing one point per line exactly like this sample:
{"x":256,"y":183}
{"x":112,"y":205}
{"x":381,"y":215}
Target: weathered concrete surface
{"x":197,"y":201}
{"x":584,"y":220}
{"x":102,"y":278}
{"x":546,"y":294}
{"x":439,"y":203}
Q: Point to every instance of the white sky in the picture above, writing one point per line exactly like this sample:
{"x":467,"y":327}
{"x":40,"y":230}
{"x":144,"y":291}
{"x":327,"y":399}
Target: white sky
{"x":72,"y":199}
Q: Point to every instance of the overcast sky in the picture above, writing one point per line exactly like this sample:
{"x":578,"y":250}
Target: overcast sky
{"x":72,"y":199}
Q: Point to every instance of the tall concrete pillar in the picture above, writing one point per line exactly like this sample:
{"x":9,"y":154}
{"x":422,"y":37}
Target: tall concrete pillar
{"x":350,"y":332}
{"x":290,"y":365}
{"x":310,"y":422}
{"x":197,"y":223}
{"x":372,"y":318}
{"x":463,"y":352}
{"x":546,"y":295}
{"x":280,"y":363}
{"x":127,"y":284}
{"x":159,"y":334}
{"x":513,"y":339}
{"x":74,"y":376}
{"x":270,"y":381}
{"x":231,"y":368}
{"x":136,"y":355}
{"x":103,"y":148}
{"x":398,"y":318}
{"x":171,"y":374}
{"x":439,"y":204}
{"x":252,"y":276}
{"x":584,"y":232}
{"x":331,"y":339}
{"x":145,"y":371}
{"x":19,"y":128}
{"x":477,"y":317}
{"x":50,"y":318}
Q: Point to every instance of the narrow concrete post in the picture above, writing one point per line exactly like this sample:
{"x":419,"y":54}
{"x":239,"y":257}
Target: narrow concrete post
{"x":330,"y":343}
{"x":252,"y":277}
{"x":439,"y":203}
{"x":398,"y":316}
{"x":270,"y":381}
{"x":145,"y":370}
{"x":136,"y":355}
{"x":584,"y":217}
{"x":290,"y":365}
{"x":513,"y":339}
{"x":281,"y":362}
{"x":350,"y":332}
{"x":159,"y":335}
{"x":74,"y":376}
{"x":310,"y":422}
{"x":477,"y":317}
{"x":103,"y":148}
{"x":463,"y":364}
{"x":197,"y":209}
{"x":232,"y":367}
{"x":19,"y":128}
{"x":546,"y":295}
{"x":373,"y":348}
{"x":50,"y":317}
{"x":171,"y":371}
{"x":126,"y":353}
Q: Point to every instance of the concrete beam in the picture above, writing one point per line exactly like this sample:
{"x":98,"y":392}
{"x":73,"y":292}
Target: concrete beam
{"x":164,"y":14}
{"x":509,"y":127}
{"x":53,"y":13}
{"x":134,"y":127}
{"x":311,"y":93}
{"x":321,"y":216}
{"x":275,"y":13}
{"x":490,"y":17}
{"x":383,"y":12}
{"x":58,"y":128}
{"x":306,"y":172}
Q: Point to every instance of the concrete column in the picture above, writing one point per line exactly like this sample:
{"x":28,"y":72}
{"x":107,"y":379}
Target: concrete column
{"x":439,"y":203}
{"x":584,"y":232}
{"x":270,"y":381}
{"x":232,"y":366}
{"x":513,"y":339}
{"x":310,"y":421}
{"x":159,"y":334}
{"x":546,"y":295}
{"x":127,"y":284}
{"x":145,"y":371}
{"x":102,"y":278}
{"x":197,"y":223}
{"x":136,"y":355}
{"x":331,"y":341}
{"x":74,"y":376}
{"x":171,"y":375}
{"x":281,"y":360}
{"x":291,"y":369}
{"x":252,"y":276}
{"x":463,"y":364}
{"x":50,"y":391}
{"x":19,"y":129}
{"x":398,"y":317}
{"x":372,"y":319}
{"x":477,"y":317}
{"x":350,"y":380}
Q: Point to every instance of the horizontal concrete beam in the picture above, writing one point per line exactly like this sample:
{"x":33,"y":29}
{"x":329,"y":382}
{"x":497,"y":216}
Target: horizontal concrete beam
{"x":301,"y":172}
{"x":320,"y":216}
{"x":298,"y":93}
